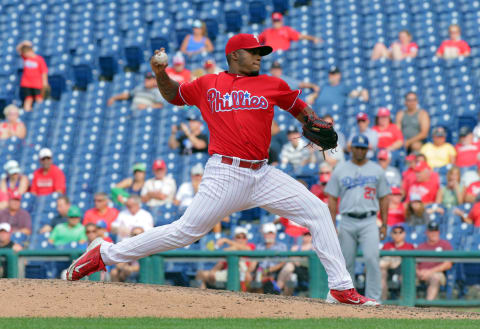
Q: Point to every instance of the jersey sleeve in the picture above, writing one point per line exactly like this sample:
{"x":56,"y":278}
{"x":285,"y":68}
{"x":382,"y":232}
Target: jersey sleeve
{"x":441,"y":49}
{"x":398,"y":133}
{"x":188,"y":93}
{"x":43,"y":66}
{"x":289,"y":100}
{"x":464,"y":47}
{"x":293,"y":34}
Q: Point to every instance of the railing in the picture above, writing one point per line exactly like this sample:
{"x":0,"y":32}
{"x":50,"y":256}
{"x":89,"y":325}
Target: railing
{"x":152,"y":268}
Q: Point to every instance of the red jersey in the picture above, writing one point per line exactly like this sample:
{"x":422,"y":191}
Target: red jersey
{"x":279,"y":38}
{"x":319,"y":191}
{"x":33,"y":69}
{"x":396,"y":214}
{"x":388,"y":136}
{"x":180,"y":77}
{"x":473,"y":188}
{"x":46,"y":183}
{"x":459,"y":46}
{"x":467,"y":154}
{"x":292,"y":228}
{"x":439,"y":246}
{"x":93,"y":216}
{"x":239,"y":110}
{"x":427,"y":190}
{"x":408,"y":178}
{"x":391,"y":246}
{"x":474,"y":214}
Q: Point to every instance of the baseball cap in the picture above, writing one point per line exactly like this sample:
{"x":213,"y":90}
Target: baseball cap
{"x":269,"y":228}
{"x":433,"y":226}
{"x":362,"y":116}
{"x":12,"y":167}
{"x":139,"y":167}
{"x":240,"y":230}
{"x":439,"y":132}
{"x":74,"y":211}
{"x":383,"y":154}
{"x":101,"y":224}
{"x":333,"y":70}
{"x":415,"y":197}
{"x":178,"y":59}
{"x":276,"y":65}
{"x":208,"y":64}
{"x":277,"y":16}
{"x":360,"y":141}
{"x":383,"y":112}
{"x":5,"y":227}
{"x":396,"y":190}
{"x":464,"y":131}
{"x":45,"y":153}
{"x":292,"y":129}
{"x":246,"y":41}
{"x":197,"y":23}
{"x":411,"y":157}
{"x":398,"y":225}
{"x":149,"y":75}
{"x":324,"y":178}
{"x":159,"y":164}
{"x":420,"y":166}
{"x":14,"y":195}
{"x":197,"y":169}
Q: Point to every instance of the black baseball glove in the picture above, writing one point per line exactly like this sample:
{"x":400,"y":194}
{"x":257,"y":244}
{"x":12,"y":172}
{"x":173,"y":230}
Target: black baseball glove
{"x":320,"y":133}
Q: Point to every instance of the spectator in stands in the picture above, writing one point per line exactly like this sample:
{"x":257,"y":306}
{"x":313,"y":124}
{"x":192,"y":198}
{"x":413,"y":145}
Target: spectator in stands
{"x":34,"y":81}
{"x":426,"y":183}
{"x":396,"y":208}
{"x":178,"y":72}
{"x":415,"y":213}
{"x":133,"y":216}
{"x":63,"y":205}
{"x":295,"y":151}
{"x":102,"y":231}
{"x":451,"y":194}
{"x":413,"y":122}
{"x":336,"y":92}
{"x":399,"y":50}
{"x":279,"y":138}
{"x":131,"y":185}
{"x":160,"y":189}
{"x":431,"y":273}
{"x":6,"y":243}
{"x":127,"y":272}
{"x":101,"y":211}
{"x":12,"y":127}
{"x":91,"y":232}
{"x":279,"y":36}
{"x":276,"y":71}
{"x":439,"y":153}
{"x":49,"y":178}
{"x":467,"y":150}
{"x":143,"y":96}
{"x":455,"y":46}
{"x":218,"y":273}
{"x":187,"y":190}
{"x":472,"y":192}
{"x":18,"y":218}
{"x":323,"y":177}
{"x":363,"y":129}
{"x":390,"y":137}
{"x":293,"y":272}
{"x":192,"y":140}
{"x":473,"y":217}
{"x":211,"y":67}
{"x":391,"y":264}
{"x":14,"y":180}
{"x":197,"y":42}
{"x":71,"y":231}
{"x":393,"y":175}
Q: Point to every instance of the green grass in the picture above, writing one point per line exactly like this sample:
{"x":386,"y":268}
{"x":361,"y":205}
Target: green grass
{"x":147,"y":323}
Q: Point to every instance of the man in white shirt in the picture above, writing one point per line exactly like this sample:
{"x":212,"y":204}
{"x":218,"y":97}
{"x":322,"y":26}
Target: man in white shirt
{"x":160,"y":189}
{"x":295,"y":152}
{"x":187,"y":190}
{"x":133,"y":216}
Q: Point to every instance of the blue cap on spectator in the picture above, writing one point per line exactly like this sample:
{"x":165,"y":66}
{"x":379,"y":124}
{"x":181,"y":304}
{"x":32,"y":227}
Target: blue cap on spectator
{"x":101,"y":224}
{"x":398,"y":225}
{"x":360,"y":141}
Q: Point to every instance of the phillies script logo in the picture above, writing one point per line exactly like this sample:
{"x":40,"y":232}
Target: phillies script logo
{"x":236,"y":100}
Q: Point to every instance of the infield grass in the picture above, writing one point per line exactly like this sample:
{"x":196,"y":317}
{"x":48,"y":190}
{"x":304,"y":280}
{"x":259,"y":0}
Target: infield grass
{"x":220,"y":323}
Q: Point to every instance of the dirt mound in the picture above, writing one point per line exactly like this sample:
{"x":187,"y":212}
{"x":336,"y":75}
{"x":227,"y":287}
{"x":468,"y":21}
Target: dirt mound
{"x":48,"y":298}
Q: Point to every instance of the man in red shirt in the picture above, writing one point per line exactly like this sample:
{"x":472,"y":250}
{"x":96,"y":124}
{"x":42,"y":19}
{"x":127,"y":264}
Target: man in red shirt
{"x":323,"y":178}
{"x":455,"y":46}
{"x":34,"y":77}
{"x":49,"y":178}
{"x":279,"y":36}
{"x":101,"y":211}
{"x":467,"y":149}
{"x":389,"y":263}
{"x":179,"y":73}
{"x":426,"y":183}
{"x":238,"y":108}
{"x":432,"y":272}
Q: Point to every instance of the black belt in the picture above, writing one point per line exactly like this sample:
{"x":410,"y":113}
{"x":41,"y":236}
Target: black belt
{"x":360,"y":215}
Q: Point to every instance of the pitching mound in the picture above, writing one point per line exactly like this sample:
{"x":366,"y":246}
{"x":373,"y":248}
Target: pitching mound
{"x":55,"y":298}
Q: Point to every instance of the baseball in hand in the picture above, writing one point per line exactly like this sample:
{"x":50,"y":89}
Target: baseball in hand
{"x":161,"y":58}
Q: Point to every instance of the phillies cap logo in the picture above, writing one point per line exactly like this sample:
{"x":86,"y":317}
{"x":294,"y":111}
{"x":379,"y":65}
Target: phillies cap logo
{"x":256,"y":37}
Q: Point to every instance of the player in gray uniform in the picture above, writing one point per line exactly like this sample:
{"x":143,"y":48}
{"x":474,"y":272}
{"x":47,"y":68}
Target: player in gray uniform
{"x":362,"y":187}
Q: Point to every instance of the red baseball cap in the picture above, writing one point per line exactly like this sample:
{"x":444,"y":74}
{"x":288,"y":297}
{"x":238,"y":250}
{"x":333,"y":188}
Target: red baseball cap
{"x":159,"y":164}
{"x":410,"y":157}
{"x":383,"y":154}
{"x":14,"y":195}
{"x":209,"y":63}
{"x":396,"y":190}
{"x":383,"y":112}
{"x":362,"y":116}
{"x":324,"y":178}
{"x":277,"y":16}
{"x":420,"y":166}
{"x":246,"y":41}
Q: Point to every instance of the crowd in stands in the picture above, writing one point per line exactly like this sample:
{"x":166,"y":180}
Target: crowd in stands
{"x":433,"y":179}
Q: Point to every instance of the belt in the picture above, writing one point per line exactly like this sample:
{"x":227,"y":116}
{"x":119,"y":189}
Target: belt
{"x":254,"y":165}
{"x":361,"y":215}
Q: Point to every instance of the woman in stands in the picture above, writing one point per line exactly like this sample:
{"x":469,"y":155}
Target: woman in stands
{"x":131,"y":185}
{"x":13,"y":181}
{"x":389,"y":136}
{"x":198,"y":41}
{"x":415,"y":213}
{"x":12,"y":127}
{"x":451,"y":194}
{"x":399,"y":50}
{"x":455,"y":46}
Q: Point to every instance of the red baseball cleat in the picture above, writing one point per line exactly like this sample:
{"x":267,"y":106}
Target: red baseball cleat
{"x":90,"y":262}
{"x":349,"y":296}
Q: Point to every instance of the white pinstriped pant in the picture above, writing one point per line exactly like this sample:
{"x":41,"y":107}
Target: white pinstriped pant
{"x":226,"y":189}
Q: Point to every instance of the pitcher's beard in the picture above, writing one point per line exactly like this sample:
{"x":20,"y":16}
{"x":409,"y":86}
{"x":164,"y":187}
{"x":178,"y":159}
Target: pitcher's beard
{"x":253,"y":73}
